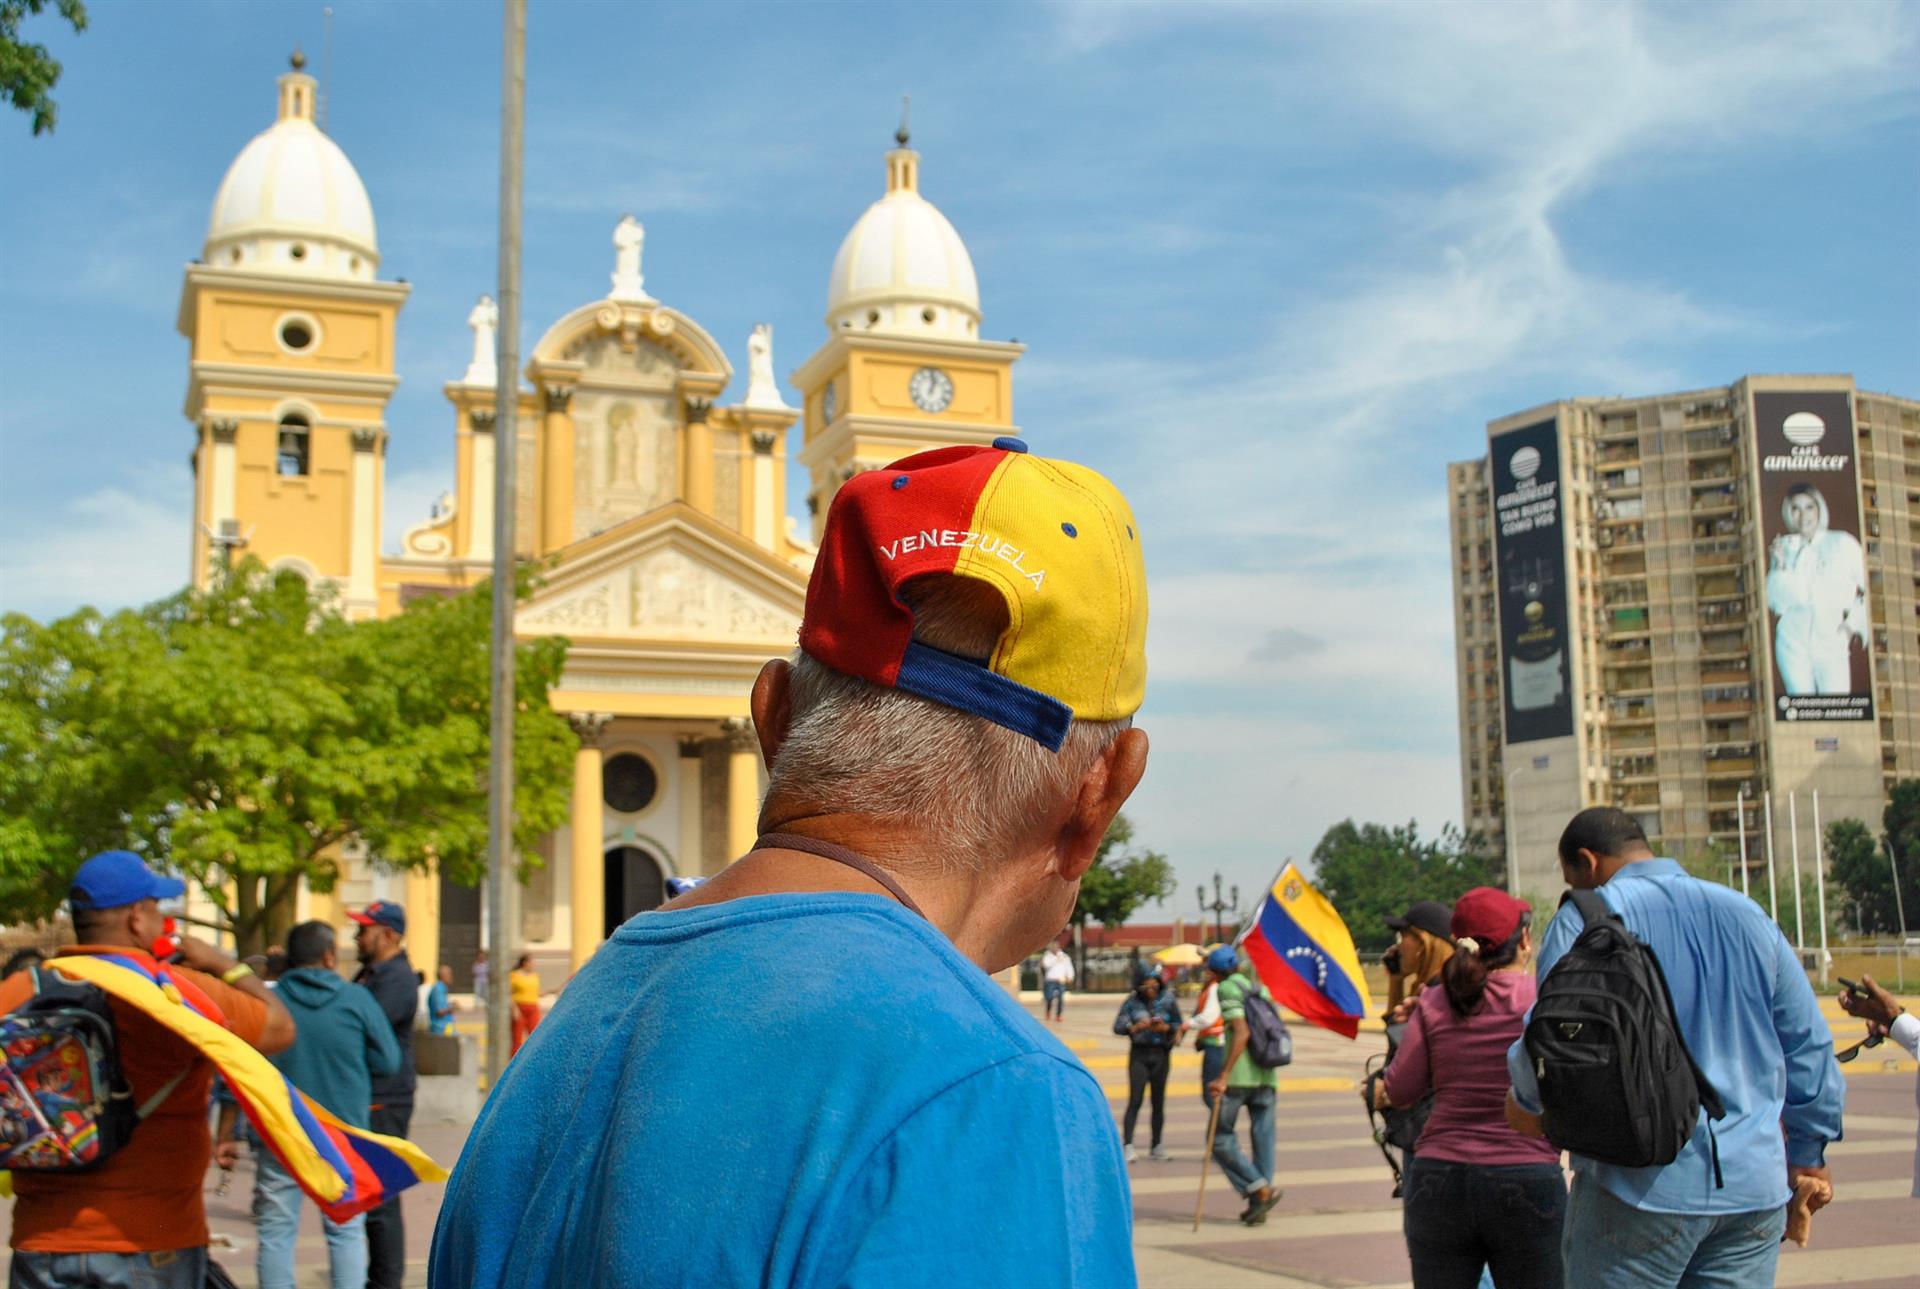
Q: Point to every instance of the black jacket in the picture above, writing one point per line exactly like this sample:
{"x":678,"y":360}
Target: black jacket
{"x":395,"y":987}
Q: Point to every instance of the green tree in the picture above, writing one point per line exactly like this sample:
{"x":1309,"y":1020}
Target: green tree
{"x":1121,"y":879}
{"x":248,"y":735}
{"x":28,"y":72}
{"x":1374,"y":871}
{"x":1858,"y":866}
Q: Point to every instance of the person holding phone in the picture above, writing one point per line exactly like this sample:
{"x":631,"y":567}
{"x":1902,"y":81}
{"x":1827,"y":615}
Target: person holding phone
{"x":1150,"y":1018}
{"x":1885,"y":1017}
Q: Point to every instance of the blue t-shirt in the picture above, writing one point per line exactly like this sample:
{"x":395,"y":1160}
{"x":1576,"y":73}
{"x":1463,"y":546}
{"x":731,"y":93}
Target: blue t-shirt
{"x":1754,"y":1028}
{"x":788,"y":1090}
{"x":439,"y":1009}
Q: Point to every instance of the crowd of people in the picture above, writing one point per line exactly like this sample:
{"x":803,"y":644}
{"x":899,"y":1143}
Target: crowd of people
{"x":946,"y":750}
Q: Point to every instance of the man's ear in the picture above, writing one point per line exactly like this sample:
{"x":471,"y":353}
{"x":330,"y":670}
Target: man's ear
{"x":1108,"y":783}
{"x":771,"y":705}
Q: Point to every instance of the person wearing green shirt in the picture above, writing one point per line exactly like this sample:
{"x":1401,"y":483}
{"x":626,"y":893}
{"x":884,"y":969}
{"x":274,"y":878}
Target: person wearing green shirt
{"x":1245,"y":1082}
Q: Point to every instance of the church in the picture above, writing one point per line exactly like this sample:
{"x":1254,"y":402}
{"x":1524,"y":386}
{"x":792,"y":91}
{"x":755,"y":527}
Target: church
{"x":650,"y":487}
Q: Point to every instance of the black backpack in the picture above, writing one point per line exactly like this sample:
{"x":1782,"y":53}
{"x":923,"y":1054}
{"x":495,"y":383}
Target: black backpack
{"x":1395,"y":1128}
{"x":1617,"y":1083}
{"x":1268,"y":1041}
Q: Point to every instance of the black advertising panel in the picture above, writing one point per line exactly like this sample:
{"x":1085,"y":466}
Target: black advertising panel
{"x":1818,"y":615}
{"x":1534,"y":648}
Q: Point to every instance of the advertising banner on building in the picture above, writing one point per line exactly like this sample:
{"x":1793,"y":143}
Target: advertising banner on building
{"x":1535,"y":661}
{"x":1820,"y":624}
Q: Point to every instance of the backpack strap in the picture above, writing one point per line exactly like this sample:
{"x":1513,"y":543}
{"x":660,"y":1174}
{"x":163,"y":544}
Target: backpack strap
{"x":1593,"y":909}
{"x":159,"y":1098}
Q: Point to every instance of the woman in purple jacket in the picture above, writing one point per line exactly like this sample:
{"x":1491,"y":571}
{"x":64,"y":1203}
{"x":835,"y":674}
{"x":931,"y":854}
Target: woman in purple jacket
{"x":1478,"y":1194}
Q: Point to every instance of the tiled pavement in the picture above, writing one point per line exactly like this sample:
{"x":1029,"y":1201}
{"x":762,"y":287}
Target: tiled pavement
{"x":1338,"y":1224}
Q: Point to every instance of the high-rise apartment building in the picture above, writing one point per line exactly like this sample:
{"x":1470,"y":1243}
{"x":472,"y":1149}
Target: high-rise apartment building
{"x":1685,"y":603}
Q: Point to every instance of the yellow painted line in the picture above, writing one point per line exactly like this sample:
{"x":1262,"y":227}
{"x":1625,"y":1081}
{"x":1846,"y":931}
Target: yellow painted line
{"x":1118,"y":1091}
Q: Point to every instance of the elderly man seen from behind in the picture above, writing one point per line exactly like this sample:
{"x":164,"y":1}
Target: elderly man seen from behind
{"x":866,"y":1107}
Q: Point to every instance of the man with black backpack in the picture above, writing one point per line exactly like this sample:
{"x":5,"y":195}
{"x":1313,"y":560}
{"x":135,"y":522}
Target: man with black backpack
{"x":134,"y":1217}
{"x":1250,"y":1083}
{"x":1678,"y":1053}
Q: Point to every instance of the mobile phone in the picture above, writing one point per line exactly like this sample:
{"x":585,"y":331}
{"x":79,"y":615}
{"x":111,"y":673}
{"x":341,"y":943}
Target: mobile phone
{"x":1847,"y":985}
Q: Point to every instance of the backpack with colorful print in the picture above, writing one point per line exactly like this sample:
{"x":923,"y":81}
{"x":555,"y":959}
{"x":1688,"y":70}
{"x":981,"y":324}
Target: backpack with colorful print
{"x":65,"y":1104}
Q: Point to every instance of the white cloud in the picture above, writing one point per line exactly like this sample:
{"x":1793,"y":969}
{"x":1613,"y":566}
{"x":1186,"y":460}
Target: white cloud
{"x":1292,"y":492}
{"x":111,"y":548}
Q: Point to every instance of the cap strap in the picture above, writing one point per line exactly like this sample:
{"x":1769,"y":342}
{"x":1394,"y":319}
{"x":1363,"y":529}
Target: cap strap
{"x":968,"y":685}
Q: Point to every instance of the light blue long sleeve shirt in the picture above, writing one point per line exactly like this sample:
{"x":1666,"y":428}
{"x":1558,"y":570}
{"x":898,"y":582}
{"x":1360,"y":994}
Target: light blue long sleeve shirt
{"x":1754,"y":1028}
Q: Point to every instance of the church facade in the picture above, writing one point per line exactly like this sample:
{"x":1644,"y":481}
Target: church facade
{"x":653,"y":496}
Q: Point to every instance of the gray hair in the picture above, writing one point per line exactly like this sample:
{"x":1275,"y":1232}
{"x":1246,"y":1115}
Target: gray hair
{"x":969,"y":786}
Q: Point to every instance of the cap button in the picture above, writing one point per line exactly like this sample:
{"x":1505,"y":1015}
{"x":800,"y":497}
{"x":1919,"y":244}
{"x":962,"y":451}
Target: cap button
{"x":1007,"y":443}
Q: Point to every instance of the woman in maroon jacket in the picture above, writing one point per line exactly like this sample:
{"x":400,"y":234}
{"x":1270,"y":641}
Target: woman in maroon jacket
{"x":1478,"y":1194}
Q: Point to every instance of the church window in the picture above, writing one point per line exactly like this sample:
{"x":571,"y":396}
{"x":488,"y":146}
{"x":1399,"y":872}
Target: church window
{"x":298,"y":250}
{"x":629,"y":783}
{"x":927,"y":316}
{"x":295,"y":334}
{"x":294,"y":443}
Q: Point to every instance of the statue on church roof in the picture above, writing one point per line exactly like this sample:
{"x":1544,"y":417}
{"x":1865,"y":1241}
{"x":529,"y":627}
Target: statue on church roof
{"x":628,"y":237}
{"x":763,"y":389}
{"x":484,"y":320}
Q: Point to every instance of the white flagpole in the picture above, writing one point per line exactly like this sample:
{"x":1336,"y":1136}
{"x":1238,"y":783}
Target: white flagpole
{"x":1773,"y":887}
{"x":1740,"y":809}
{"x":1820,"y":884}
{"x":1793,"y":839}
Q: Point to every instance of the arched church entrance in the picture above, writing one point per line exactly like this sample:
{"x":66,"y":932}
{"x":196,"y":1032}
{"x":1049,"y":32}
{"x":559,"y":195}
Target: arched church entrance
{"x":636,"y":882}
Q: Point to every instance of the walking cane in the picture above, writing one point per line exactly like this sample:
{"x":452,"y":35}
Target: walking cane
{"x":1213,"y":1124}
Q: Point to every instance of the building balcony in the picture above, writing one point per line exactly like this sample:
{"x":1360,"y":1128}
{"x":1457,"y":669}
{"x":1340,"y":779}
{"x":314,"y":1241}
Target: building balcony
{"x":1731,"y":769}
{"x":1727,"y":706}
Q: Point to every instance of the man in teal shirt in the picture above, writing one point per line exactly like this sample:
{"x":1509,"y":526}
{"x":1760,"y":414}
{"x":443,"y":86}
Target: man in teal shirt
{"x":1245,"y":1082}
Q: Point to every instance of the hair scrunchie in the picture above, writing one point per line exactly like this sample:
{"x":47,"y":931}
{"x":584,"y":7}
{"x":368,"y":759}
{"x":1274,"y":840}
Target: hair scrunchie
{"x":1467,"y":944}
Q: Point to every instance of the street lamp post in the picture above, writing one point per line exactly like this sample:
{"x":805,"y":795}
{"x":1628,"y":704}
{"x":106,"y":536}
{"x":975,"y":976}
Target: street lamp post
{"x":1219,"y":906}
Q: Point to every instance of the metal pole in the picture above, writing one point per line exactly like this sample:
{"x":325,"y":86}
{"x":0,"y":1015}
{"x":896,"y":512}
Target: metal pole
{"x":1793,"y":843}
{"x":1899,"y":911}
{"x":506,"y":406}
{"x":1740,"y":808}
{"x":1820,"y":885}
{"x":1773,"y":887}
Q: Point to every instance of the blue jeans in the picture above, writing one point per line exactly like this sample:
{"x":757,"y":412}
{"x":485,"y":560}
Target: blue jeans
{"x":170,"y":1269}
{"x":1246,"y":1177}
{"x":276,"y":1213}
{"x":1212,"y":1058}
{"x":1464,"y":1220}
{"x":1611,"y":1245}
{"x":1053,"y":998}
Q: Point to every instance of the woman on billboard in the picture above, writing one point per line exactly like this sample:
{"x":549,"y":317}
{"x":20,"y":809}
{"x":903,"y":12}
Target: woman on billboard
{"x":1816,"y":582}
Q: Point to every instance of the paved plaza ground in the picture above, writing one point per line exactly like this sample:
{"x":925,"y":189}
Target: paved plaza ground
{"x":1338,"y":1224}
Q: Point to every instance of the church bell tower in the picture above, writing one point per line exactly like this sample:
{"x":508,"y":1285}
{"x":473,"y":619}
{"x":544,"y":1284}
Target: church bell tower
{"x":903,"y":368}
{"x":291,"y":340}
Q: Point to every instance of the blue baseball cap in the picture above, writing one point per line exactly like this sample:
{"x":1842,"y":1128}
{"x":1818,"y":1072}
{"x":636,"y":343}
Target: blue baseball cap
{"x":383,"y":913}
{"x":1223,"y":960}
{"x":115,"y":878}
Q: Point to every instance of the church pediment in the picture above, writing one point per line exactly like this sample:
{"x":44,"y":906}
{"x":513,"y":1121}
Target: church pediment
{"x":671,"y":575}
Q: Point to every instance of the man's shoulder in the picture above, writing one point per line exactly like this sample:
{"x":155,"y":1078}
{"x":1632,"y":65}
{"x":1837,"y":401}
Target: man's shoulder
{"x":848,"y":967}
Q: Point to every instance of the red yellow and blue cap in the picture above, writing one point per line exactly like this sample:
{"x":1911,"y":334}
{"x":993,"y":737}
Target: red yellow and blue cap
{"x":1056,"y":540}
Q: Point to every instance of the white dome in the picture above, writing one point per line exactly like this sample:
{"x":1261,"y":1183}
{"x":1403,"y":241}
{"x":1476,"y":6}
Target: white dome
{"x":902,"y":269}
{"x":292,"y":202}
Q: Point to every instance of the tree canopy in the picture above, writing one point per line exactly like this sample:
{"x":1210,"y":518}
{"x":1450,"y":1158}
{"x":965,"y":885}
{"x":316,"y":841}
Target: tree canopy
{"x":28,"y":72}
{"x":1121,"y":878}
{"x":248,"y":736}
{"x":1857,"y":863}
{"x":1373,"y":871}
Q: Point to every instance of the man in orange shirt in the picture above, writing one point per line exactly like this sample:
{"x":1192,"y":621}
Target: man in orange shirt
{"x":138,"y":1218}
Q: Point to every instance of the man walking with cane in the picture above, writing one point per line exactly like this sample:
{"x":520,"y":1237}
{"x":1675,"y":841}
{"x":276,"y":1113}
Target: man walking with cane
{"x":1244,"y":1082}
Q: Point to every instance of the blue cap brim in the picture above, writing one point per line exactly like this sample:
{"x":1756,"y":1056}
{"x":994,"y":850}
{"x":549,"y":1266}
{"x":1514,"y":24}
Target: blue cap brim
{"x":167,"y":888}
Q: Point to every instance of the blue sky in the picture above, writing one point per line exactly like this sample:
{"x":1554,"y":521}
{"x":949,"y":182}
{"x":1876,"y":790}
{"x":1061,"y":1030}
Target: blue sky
{"x":1276,"y":265}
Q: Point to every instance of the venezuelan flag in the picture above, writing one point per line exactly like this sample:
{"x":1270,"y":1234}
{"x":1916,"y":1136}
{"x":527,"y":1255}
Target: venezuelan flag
{"x":1304,"y":954}
{"x":343,"y":1169}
